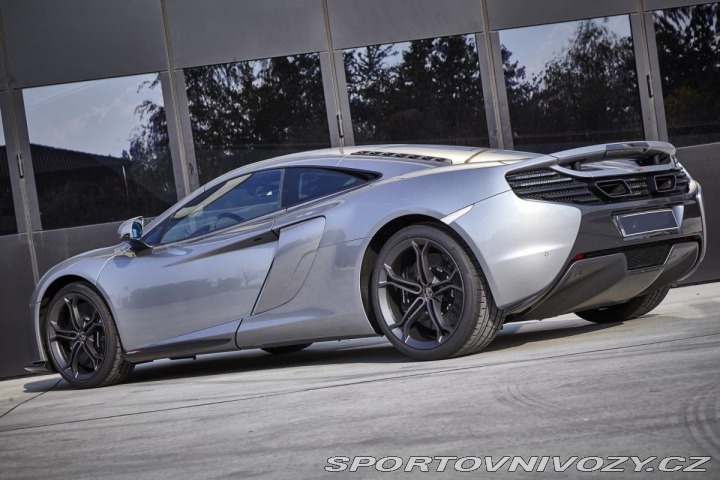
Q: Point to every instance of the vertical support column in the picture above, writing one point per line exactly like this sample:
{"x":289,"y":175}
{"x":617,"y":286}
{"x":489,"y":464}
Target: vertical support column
{"x":23,"y":182}
{"x":344,"y":99}
{"x":176,"y":112}
{"x":488,"y":89}
{"x":335,"y":87}
{"x":491,"y":70}
{"x":502,"y":110}
{"x":22,"y":145}
{"x":16,"y":180}
{"x":642,"y":65}
{"x":175,"y":99}
{"x":186,"y":136}
{"x":655,"y":74}
{"x":331,"y":103}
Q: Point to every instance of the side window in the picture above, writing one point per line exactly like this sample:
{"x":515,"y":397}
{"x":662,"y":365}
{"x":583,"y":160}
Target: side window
{"x":303,"y":184}
{"x":237,"y":200}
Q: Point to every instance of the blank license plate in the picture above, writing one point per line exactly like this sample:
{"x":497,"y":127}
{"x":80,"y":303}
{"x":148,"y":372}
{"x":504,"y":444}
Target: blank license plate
{"x":647,"y":222}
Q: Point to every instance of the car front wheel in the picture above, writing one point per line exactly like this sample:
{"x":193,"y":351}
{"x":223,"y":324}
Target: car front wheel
{"x":430,"y":297}
{"x":82,"y":339}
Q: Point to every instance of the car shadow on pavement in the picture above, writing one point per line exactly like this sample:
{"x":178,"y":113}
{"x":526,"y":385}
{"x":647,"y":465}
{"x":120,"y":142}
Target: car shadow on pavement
{"x":516,"y":334}
{"x":373,"y":350}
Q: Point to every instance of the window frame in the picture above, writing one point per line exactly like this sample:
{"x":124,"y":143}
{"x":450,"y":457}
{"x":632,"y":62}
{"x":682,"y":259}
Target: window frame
{"x":371,"y":176}
{"x":163,"y":226}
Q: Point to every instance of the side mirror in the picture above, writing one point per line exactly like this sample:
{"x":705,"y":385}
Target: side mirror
{"x":131,"y":229}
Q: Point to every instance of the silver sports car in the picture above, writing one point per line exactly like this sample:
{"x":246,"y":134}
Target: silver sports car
{"x":434,"y":247}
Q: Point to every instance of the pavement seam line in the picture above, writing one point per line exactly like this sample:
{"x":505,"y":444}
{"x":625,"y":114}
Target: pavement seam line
{"x":31,"y":398}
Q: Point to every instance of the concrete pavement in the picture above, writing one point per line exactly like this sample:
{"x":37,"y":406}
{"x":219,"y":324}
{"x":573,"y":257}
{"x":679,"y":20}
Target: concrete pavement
{"x":560,"y":387}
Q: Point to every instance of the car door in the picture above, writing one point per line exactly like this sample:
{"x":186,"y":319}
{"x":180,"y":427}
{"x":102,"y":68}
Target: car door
{"x":204,"y":269}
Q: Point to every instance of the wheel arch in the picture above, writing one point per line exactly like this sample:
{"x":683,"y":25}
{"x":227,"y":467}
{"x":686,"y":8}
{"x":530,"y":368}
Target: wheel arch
{"x":378,"y":240}
{"x":46,"y":297}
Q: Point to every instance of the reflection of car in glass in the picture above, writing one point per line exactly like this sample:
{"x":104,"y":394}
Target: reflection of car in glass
{"x":433,"y":247}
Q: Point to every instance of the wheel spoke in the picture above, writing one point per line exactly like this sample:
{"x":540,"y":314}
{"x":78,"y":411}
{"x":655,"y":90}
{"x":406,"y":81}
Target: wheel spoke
{"x":437,"y":318}
{"x":94,"y":323}
{"x":74,"y":313}
{"x":422,"y":262}
{"x":74,"y":359}
{"x":92,"y":355}
{"x":409,"y":317}
{"x":61,"y":333}
{"x":447,"y":288}
{"x":399,"y":282}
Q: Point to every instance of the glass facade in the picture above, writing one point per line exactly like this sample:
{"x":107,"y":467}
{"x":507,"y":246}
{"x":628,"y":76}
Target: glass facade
{"x":571,"y":84}
{"x":7,"y":209}
{"x":424,"y":91}
{"x":99,"y":150}
{"x":688,"y":43}
{"x":249,"y":111}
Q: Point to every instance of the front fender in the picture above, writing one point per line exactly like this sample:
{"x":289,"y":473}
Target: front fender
{"x":85,"y":267}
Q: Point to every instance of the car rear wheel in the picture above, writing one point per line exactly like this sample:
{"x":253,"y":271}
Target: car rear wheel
{"x":633,"y":308}
{"x":430,"y":297}
{"x":82,"y":339}
{"x":286,"y":348}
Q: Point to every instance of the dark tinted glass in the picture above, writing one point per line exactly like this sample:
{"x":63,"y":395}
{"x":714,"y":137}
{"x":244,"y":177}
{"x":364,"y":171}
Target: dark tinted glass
{"x":688,"y":43}
{"x":232,"y":202}
{"x":249,"y":111}
{"x":424,"y":91}
{"x":303,"y":184}
{"x":571,"y":84}
{"x":7,"y":209}
{"x":99,"y":150}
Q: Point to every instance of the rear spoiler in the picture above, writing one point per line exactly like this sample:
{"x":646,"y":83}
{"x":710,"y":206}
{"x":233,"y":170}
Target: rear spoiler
{"x":644,"y":153}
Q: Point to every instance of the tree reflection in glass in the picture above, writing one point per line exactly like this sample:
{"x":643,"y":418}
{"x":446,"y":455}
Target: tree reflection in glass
{"x":99,"y":150}
{"x":688,"y":43}
{"x":249,"y":111}
{"x":571,"y":84}
{"x":424,"y":91}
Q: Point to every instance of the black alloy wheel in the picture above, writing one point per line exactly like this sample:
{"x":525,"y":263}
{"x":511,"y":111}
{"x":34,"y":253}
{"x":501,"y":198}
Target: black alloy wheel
{"x":82,"y":339}
{"x":430,"y":297}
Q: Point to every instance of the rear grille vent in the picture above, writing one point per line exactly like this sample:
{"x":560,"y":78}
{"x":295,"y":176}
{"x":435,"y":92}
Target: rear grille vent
{"x":552,"y":186}
{"x":645,"y":257}
{"x":409,"y":156}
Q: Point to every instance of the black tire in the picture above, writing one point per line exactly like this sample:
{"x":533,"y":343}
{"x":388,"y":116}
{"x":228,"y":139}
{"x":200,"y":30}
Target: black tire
{"x":286,"y":349}
{"x":84,"y":347}
{"x":430,"y":297}
{"x":633,"y":308}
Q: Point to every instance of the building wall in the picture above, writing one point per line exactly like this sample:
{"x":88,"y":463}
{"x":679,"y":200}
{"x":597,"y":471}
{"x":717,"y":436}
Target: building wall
{"x":111,"y":109}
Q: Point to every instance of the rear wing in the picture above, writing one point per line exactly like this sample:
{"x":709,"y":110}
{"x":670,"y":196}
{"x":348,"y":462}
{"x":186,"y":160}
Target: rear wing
{"x":642,"y":153}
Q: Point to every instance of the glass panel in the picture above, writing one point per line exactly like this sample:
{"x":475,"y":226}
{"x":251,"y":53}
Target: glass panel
{"x":424,"y":91}
{"x":249,"y":111}
{"x":99,"y":150}
{"x":571,"y":84}
{"x":237,"y":200}
{"x":7,"y":208}
{"x":303,"y":184}
{"x":688,"y":43}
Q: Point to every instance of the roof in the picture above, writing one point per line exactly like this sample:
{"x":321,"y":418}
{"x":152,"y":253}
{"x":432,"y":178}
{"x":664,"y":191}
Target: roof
{"x":436,"y":153}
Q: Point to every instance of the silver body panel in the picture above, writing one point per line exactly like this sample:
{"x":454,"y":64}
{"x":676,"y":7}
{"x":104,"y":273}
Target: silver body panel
{"x":189,"y":286}
{"x":295,"y":276}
